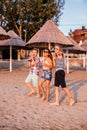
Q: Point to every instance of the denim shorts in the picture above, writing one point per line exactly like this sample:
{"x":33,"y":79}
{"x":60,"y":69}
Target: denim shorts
{"x":47,"y":74}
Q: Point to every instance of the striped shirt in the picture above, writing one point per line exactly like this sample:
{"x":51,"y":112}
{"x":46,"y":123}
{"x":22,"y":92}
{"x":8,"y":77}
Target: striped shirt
{"x":60,"y":63}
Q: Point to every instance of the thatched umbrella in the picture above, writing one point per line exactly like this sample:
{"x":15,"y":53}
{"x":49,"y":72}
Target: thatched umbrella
{"x":74,"y":49}
{"x":84,"y":45}
{"x":3,"y":34}
{"x":48,"y":35}
{"x":15,"y":41}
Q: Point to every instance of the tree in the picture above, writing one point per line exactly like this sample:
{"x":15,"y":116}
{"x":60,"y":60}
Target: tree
{"x":25,"y":17}
{"x":70,"y":31}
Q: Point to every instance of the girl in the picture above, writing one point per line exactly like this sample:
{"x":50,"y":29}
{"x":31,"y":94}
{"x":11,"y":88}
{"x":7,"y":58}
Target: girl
{"x":60,"y":76}
{"x":46,"y":77}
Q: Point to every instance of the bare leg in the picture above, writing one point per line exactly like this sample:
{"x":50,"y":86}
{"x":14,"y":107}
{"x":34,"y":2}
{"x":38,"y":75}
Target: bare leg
{"x":57,"y":95}
{"x":30,"y":87}
{"x":38,"y":91}
{"x":68,"y":93}
{"x":47,"y":90}
{"x":40,"y":88}
{"x":56,"y":89}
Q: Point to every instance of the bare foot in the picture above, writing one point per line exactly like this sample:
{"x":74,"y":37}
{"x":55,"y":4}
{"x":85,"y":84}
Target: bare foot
{"x":55,"y":103}
{"x":43,"y":98}
{"x":72,"y":101}
{"x":32,"y":92}
{"x":37,"y":95}
{"x":47,"y":100}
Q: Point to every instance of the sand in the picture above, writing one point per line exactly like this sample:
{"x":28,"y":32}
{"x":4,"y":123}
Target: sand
{"x":18,"y":111}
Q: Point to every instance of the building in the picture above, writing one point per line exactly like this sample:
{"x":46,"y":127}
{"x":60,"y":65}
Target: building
{"x":79,"y":34}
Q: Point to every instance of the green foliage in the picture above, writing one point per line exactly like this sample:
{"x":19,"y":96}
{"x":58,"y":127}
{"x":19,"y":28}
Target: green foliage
{"x":27,"y":16}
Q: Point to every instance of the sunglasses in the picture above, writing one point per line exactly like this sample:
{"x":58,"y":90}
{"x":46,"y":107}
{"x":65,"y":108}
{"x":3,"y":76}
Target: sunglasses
{"x":56,"y":48}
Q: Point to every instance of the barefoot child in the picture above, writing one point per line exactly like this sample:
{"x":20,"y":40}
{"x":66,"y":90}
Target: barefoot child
{"x":46,"y":76}
{"x":33,"y":75}
{"x":60,"y":76}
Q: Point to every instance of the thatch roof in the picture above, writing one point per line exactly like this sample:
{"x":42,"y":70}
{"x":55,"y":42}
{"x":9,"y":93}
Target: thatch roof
{"x":84,"y":45}
{"x":12,"y":34}
{"x":15,"y":40}
{"x":49,"y":33}
{"x":76,"y":48}
{"x":3,"y":34}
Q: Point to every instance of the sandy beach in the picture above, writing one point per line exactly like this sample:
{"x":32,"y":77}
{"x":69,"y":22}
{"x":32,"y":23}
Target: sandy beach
{"x":18,"y":111}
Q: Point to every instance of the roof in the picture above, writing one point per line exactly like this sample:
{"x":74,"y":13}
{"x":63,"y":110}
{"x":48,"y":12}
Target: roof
{"x":12,"y":34}
{"x":76,"y":48}
{"x":49,"y":33}
{"x":84,"y":45}
{"x":80,"y":31}
{"x":3,"y":34}
{"x":15,"y":40}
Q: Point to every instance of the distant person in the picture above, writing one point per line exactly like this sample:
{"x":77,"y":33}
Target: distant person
{"x":60,"y":76}
{"x":33,"y":76}
{"x":46,"y":76}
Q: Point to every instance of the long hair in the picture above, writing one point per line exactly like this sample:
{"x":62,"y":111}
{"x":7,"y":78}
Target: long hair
{"x":60,"y":49}
{"x":49,"y":54}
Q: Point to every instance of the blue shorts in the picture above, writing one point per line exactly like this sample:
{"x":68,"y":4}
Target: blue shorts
{"x":47,"y":75}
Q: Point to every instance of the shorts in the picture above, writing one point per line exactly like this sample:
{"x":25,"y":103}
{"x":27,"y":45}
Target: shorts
{"x":47,"y":75}
{"x":32,"y":78}
{"x":60,"y":78}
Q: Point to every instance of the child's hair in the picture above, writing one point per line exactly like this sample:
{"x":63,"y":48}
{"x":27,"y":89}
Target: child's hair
{"x":35,"y":49}
{"x":60,"y":48}
{"x":49,"y":54}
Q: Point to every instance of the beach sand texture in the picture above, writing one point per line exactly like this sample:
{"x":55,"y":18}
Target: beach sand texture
{"x":18,"y":111}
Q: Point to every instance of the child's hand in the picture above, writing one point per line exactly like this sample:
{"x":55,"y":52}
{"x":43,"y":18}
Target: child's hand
{"x":29,"y":59}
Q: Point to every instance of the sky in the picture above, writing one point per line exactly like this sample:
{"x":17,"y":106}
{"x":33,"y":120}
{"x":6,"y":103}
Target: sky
{"x":74,"y":15}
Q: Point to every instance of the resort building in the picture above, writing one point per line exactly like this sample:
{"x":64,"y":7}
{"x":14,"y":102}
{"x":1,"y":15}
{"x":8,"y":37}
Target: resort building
{"x":79,"y":35}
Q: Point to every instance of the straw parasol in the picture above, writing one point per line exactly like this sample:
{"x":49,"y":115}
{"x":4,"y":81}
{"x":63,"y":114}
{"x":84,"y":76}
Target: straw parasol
{"x":84,"y":45}
{"x":48,"y":35}
{"x":74,"y":49}
{"x":15,"y":41}
{"x":3,"y":34}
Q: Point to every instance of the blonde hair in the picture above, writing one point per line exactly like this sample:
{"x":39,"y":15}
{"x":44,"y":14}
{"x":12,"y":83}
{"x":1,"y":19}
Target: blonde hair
{"x":60,"y":47}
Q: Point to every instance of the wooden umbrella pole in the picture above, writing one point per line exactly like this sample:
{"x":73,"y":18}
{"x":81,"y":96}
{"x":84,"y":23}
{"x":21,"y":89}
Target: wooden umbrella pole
{"x":10,"y":58}
{"x":86,"y":61}
{"x":38,"y":52}
{"x":49,"y":46}
{"x":67,"y":62}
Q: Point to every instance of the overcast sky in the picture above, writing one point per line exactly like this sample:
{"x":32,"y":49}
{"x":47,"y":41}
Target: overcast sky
{"x":74,"y":15}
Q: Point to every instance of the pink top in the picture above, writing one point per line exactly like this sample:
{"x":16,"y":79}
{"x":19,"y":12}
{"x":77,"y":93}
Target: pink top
{"x":45,"y":62}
